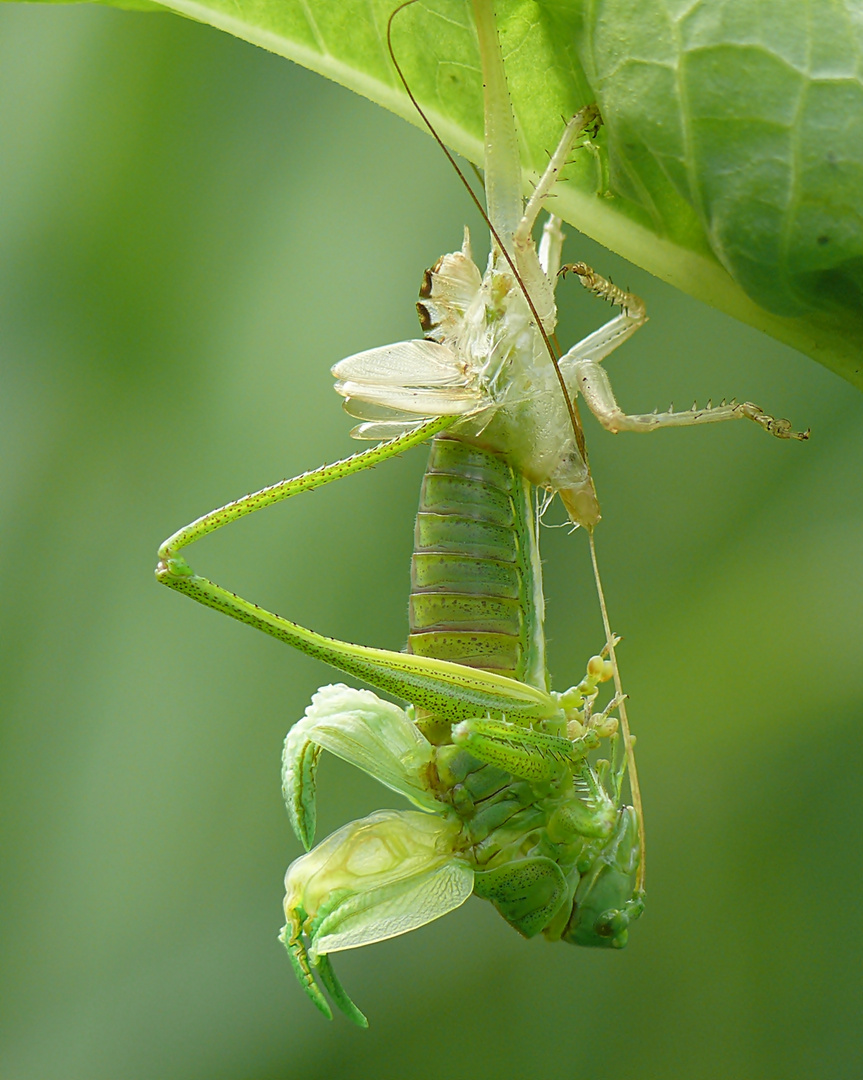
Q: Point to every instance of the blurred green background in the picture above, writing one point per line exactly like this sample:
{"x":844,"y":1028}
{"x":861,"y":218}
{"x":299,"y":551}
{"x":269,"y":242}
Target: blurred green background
{"x":191,"y":232}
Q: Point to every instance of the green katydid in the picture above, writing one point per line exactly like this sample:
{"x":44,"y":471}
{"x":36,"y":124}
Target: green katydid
{"x":512,"y":803}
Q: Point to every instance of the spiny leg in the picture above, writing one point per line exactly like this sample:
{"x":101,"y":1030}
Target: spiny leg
{"x":582,"y":364}
{"x":607,"y":338}
{"x":534,"y":271}
{"x":453,"y":691}
{"x":594,"y":385}
{"x":539,"y":755}
{"x":169,"y":562}
{"x":584,"y":119}
{"x":533,"y":755}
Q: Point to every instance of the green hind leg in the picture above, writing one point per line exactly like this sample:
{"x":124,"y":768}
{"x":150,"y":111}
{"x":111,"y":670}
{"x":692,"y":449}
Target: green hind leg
{"x":451,"y":691}
{"x":527,"y":893}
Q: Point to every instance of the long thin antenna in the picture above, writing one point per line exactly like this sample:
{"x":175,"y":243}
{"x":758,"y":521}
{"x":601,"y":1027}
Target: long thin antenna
{"x":571,"y":407}
{"x":628,"y":745}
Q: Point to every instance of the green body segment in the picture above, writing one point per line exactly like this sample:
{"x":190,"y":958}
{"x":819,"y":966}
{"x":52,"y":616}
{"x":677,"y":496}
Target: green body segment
{"x":476,"y":584}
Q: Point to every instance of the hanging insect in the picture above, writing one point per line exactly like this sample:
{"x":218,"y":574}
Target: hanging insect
{"x":513,"y":802}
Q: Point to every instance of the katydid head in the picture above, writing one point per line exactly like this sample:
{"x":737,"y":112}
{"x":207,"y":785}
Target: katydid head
{"x":608,"y":898}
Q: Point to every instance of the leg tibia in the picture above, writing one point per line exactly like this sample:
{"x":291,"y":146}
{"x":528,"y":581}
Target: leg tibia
{"x":171,"y":566}
{"x":594,"y":385}
{"x":521,"y":751}
{"x":538,"y":274}
{"x":585,"y":120}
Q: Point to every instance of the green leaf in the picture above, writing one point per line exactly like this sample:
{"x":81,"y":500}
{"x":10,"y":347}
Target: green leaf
{"x":752,"y":115}
{"x":731,"y":162}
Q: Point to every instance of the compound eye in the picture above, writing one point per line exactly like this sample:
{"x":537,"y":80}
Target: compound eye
{"x":613,"y":924}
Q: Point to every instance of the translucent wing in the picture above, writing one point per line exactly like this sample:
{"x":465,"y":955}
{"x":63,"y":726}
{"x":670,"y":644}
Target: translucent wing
{"x":418,"y":378}
{"x":362,"y":729}
{"x":383,"y":875}
{"x":400,"y":908}
{"x":405,"y":363}
{"x":416,"y":402}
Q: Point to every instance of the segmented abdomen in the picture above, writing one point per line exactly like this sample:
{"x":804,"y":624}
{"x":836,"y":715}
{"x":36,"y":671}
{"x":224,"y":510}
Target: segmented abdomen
{"x":476,"y":588}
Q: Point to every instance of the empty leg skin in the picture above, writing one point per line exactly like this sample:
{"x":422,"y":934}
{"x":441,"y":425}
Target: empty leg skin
{"x":583,"y":370}
{"x":594,"y":386}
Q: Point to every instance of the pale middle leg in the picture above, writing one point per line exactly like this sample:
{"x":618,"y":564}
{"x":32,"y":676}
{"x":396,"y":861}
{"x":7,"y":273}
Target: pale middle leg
{"x":583,"y":370}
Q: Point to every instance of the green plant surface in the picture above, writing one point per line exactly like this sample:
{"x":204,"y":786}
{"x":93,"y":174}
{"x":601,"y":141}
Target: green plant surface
{"x":731,"y":164}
